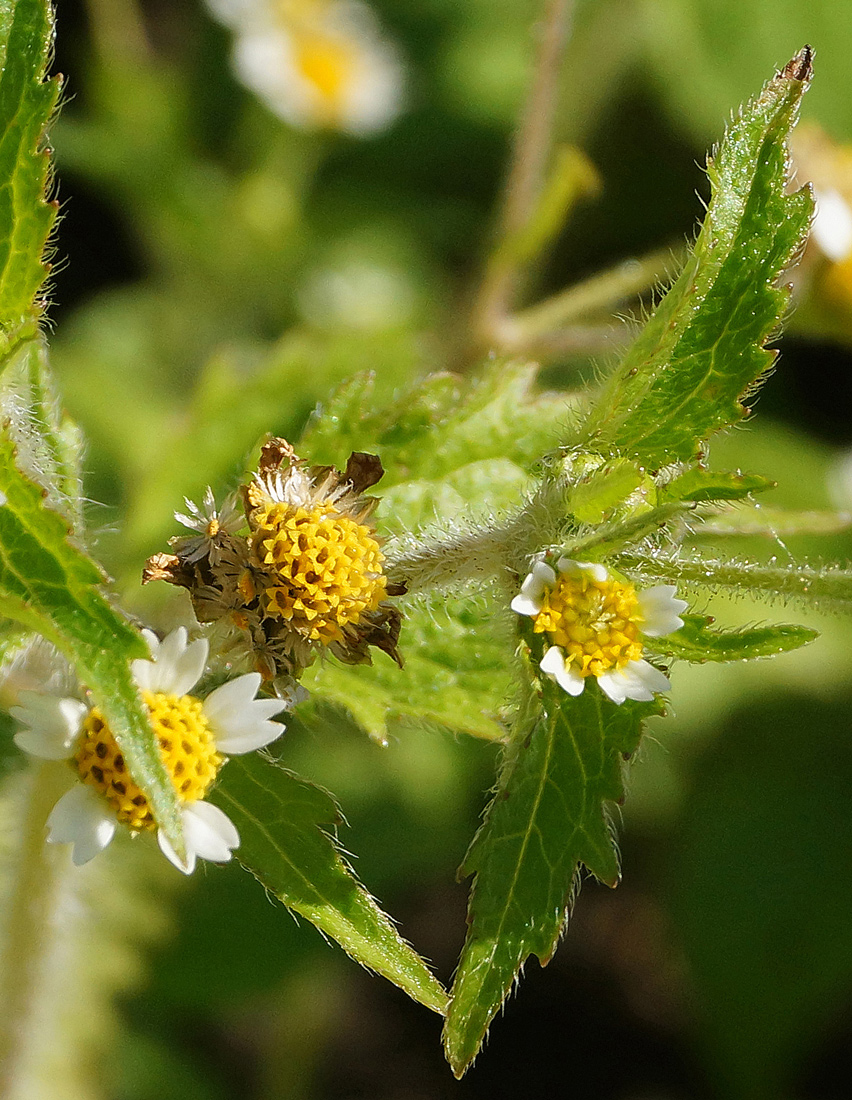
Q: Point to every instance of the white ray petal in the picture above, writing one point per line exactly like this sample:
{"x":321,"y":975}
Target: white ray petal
{"x":82,"y":818}
{"x":55,"y":724}
{"x":554,"y":665}
{"x":207,"y":832}
{"x":240,"y":723}
{"x":529,"y":599}
{"x":660,"y":611}
{"x":638,"y":680}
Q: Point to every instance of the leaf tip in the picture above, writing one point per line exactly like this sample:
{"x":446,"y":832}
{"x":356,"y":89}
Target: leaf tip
{"x":800,"y":67}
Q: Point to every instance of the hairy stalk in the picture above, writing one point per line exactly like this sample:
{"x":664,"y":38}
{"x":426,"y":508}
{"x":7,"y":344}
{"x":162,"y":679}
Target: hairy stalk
{"x":826,"y":586}
{"x":494,"y":550}
{"x":527,"y":167}
{"x":38,"y":885}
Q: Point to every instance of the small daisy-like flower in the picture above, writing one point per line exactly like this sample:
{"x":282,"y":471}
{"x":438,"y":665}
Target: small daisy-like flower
{"x":192,"y":734}
{"x":316,"y":63}
{"x":596,"y":624}
{"x":303,"y":574}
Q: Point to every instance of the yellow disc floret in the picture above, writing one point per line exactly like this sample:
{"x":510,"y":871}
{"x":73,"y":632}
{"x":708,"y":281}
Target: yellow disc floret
{"x":596,"y":623}
{"x":326,"y":567}
{"x":186,"y":746}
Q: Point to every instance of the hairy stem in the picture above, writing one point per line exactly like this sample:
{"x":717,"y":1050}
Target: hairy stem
{"x":31,"y":926}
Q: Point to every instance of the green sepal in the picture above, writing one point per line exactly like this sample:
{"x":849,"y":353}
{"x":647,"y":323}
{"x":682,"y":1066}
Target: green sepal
{"x":702,"y":485}
{"x":27,"y":103}
{"x":698,"y":643}
{"x":285,"y":825}
{"x":703,"y":347}
{"x":548,"y":816}
{"x":48,"y":585}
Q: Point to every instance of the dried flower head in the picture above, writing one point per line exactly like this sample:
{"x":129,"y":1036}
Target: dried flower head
{"x":300,"y":571}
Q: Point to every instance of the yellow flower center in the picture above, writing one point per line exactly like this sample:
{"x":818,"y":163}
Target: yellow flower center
{"x":324,"y":63}
{"x":327,"y":567}
{"x":595,"y":623}
{"x":186,"y":746}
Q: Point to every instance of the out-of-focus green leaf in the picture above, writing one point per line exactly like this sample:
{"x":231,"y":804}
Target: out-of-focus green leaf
{"x":699,"y":484}
{"x":26,"y":105}
{"x":456,"y":675}
{"x":703,"y":348}
{"x":697,"y":642}
{"x":547,"y":817}
{"x":282,"y":821}
{"x":442,"y":424}
{"x":50,"y":586}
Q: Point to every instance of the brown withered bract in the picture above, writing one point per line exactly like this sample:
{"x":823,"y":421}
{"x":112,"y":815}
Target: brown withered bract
{"x":290,"y":566}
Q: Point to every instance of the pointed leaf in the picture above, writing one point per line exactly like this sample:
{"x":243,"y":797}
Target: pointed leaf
{"x":53,"y":588}
{"x":703,"y":348}
{"x":26,"y":105}
{"x":282,"y":821}
{"x":701,"y":485}
{"x":547,"y":817}
{"x":696,"y":642}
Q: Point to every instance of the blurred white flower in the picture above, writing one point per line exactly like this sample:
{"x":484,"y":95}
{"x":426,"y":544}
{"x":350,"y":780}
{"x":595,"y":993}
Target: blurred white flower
{"x":316,"y":63}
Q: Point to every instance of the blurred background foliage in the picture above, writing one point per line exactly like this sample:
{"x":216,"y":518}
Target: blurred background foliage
{"x":219,"y":273}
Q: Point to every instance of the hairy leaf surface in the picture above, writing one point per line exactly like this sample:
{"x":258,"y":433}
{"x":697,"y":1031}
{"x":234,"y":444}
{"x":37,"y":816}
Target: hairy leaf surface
{"x":547,"y":817}
{"x":703,"y":348}
{"x":284,"y":824}
{"x":696,"y":641}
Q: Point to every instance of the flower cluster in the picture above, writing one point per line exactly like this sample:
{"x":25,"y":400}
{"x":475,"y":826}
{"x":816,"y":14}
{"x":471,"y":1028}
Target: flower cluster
{"x":596,"y":624}
{"x":294,"y":569}
{"x":315,"y":63}
{"x":192,"y":734}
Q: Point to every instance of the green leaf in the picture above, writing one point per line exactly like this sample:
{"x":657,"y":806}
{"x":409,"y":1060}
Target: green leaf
{"x":699,"y":484}
{"x":26,"y":105}
{"x":696,"y":642}
{"x":703,"y":348}
{"x":50,"y":586}
{"x":547,"y":817}
{"x":592,"y":497}
{"x":455,"y":675}
{"x":282,"y":821}
{"x":442,"y":424}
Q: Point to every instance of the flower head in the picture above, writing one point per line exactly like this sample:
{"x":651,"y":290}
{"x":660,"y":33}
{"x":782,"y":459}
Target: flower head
{"x":596,"y":624}
{"x":192,"y":733}
{"x":302,"y":572}
{"x":316,"y":63}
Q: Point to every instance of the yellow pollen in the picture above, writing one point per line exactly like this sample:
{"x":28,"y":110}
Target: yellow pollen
{"x":327,"y":568}
{"x":595,"y":623}
{"x":186,"y":746}
{"x":212,"y":528}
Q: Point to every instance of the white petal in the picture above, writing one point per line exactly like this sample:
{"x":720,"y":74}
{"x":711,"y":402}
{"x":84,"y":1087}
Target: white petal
{"x":176,"y":667}
{"x":240,"y":723}
{"x":82,"y":818}
{"x":592,"y":569}
{"x":54,"y":723}
{"x":528,"y":601}
{"x":553,"y":664}
{"x":638,"y":680}
{"x":832,"y":226}
{"x":207,"y":832}
{"x":660,"y":611}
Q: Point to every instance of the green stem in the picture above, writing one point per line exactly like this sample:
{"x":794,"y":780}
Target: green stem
{"x":527,"y":169}
{"x":37,"y":887}
{"x":601,"y":293}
